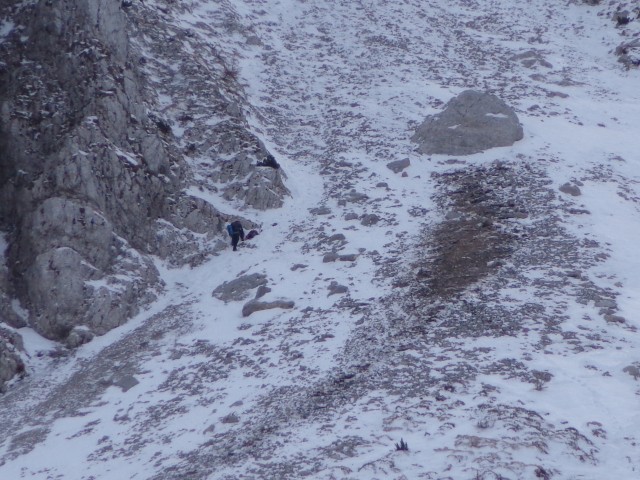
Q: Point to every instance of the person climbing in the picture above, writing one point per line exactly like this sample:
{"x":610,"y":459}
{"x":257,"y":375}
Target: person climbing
{"x":236,"y":232}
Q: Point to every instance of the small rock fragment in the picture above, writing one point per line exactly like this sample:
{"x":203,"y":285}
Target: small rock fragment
{"x":126,"y":382}
{"x":570,"y":189}
{"x":262,"y":291}
{"x":336,"y":288}
{"x":330,"y":257}
{"x":369,"y":219}
{"x":398,"y":165}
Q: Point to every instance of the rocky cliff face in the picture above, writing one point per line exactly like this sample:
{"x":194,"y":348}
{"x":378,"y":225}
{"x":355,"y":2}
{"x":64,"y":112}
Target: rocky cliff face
{"x":92,"y":174}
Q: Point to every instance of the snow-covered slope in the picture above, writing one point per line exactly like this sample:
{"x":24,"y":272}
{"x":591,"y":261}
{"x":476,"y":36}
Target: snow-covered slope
{"x":478,"y":313}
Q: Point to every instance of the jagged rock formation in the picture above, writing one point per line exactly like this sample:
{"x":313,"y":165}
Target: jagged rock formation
{"x":207,"y":108}
{"x":470,"y":123}
{"x":93,"y":177}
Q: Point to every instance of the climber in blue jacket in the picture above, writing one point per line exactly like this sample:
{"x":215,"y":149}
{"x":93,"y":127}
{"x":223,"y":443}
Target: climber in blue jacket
{"x":236,"y":232}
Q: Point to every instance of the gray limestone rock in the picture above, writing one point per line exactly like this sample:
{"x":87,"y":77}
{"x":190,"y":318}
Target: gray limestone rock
{"x":8,"y":313}
{"x":531,"y":59}
{"x":125,"y":382}
{"x":76,"y":226}
{"x":78,"y":336}
{"x":253,"y":306}
{"x":262,"y":291}
{"x":606,"y":303}
{"x":614,"y":318}
{"x":320,"y":211}
{"x":242,"y":178}
{"x":154,"y":154}
{"x":369,"y":219}
{"x":12,"y":339}
{"x":231,"y":418}
{"x":570,"y":189}
{"x":85,"y":293}
{"x":355,"y":197}
{"x":335,"y":288}
{"x":238,"y":289}
{"x":93,"y":180}
{"x":398,"y":165}
{"x":263,"y":189}
{"x":337,"y":237}
{"x":330,"y":257}
{"x":470,"y":123}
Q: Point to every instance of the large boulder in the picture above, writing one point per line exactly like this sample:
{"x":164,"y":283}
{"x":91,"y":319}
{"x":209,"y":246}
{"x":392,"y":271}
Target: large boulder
{"x":470,"y":123}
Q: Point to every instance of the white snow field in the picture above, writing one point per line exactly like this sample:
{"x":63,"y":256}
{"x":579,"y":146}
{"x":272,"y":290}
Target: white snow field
{"x":529,"y":370}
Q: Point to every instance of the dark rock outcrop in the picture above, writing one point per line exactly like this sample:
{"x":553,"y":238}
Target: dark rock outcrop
{"x":470,"y":123}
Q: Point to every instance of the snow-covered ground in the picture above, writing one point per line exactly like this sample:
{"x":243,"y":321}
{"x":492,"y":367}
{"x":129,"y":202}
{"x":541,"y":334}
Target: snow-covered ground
{"x":528,"y":370}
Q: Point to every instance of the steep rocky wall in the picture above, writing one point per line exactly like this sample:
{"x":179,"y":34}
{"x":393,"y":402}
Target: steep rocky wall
{"x":91,"y":175}
{"x":85,"y":174}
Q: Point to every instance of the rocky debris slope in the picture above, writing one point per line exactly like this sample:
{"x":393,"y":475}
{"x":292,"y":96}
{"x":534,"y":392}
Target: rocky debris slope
{"x":426,"y":357}
{"x":440,"y":301}
{"x":94,"y":177}
{"x":116,"y":366}
{"x":425,"y":360}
